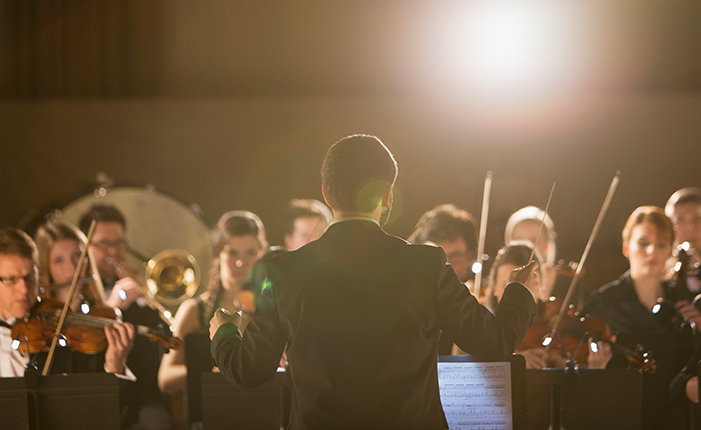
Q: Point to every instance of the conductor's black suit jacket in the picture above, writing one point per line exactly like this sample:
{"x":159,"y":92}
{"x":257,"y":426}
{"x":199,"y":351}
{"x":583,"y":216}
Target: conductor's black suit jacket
{"x":360,"y":312}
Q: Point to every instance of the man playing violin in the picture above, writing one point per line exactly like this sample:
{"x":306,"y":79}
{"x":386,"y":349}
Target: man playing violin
{"x":360,"y":311}
{"x":19,"y":275}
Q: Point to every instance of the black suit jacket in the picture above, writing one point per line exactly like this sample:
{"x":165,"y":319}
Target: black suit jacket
{"x":360,"y":312}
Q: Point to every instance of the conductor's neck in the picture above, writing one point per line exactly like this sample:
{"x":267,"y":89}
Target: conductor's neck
{"x":374,"y":215}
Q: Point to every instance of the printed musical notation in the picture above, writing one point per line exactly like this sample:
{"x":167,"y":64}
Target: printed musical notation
{"x":476,"y":396}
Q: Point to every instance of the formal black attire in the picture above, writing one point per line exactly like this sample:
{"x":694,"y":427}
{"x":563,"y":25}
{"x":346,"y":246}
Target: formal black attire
{"x":617,"y":303}
{"x":147,"y":409}
{"x":360,"y":312}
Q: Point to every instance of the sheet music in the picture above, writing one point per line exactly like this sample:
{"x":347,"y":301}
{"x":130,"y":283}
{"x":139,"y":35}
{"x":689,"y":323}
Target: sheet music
{"x":476,"y":396}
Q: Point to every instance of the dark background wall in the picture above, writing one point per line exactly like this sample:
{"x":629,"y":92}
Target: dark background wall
{"x":231,"y":105}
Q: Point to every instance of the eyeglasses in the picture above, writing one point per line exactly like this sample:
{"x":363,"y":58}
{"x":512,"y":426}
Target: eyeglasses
{"x":30,"y":278}
{"x":104,"y":245}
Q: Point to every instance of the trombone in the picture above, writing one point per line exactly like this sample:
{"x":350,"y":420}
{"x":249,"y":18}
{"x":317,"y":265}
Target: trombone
{"x":171,"y":277}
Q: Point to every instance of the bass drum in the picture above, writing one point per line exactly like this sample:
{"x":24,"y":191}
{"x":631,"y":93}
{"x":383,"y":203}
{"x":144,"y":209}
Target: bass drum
{"x":155,"y":222}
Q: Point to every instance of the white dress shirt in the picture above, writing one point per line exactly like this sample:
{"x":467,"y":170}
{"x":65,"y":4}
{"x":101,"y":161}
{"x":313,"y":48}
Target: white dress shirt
{"x":12,"y":363}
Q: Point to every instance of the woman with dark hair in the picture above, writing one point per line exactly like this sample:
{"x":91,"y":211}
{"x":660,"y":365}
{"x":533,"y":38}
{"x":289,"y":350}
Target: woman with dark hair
{"x":238,"y":240}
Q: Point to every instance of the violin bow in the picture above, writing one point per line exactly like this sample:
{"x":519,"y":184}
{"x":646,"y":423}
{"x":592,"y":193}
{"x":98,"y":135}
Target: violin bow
{"x":542,"y":222}
{"x":592,"y":236}
{"x":69,"y":300}
{"x":483,"y":233}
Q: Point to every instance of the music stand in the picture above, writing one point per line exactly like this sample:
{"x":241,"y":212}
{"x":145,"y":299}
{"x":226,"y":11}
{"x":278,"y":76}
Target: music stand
{"x":482,"y":385}
{"x":14,"y":407}
{"x":587,"y":399}
{"x":224,"y":404}
{"x":82,"y":400}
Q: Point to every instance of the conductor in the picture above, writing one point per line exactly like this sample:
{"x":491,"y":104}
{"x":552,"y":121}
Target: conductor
{"x":361,"y":311}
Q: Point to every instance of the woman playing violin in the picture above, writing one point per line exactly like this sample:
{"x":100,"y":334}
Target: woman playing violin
{"x":59,"y":248}
{"x":238,"y":240}
{"x":629,"y":304}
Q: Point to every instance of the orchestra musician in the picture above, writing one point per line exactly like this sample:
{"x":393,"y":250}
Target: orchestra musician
{"x":524,"y":224}
{"x":684,"y":209}
{"x":148,"y":408}
{"x":353,"y":303}
{"x":238,"y":240}
{"x":59,"y":248}
{"x":306,"y":220}
{"x":628,"y":306}
{"x":454,"y":230}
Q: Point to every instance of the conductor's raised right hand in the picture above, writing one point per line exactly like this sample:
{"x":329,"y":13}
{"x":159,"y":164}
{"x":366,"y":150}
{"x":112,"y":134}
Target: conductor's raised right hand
{"x":528,"y":276}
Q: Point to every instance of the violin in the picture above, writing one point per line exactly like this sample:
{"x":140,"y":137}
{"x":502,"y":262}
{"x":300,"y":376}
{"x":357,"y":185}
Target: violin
{"x":84,"y":332}
{"x":572,"y":334}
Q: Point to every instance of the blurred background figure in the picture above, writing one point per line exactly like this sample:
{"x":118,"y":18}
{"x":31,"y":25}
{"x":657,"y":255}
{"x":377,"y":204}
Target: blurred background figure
{"x":238,"y":241}
{"x":454,"y":230}
{"x":306,"y":220}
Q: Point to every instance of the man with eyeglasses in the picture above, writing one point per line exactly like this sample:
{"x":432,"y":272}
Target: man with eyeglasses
{"x":455,"y":231}
{"x":18,"y":293}
{"x":109,"y":248}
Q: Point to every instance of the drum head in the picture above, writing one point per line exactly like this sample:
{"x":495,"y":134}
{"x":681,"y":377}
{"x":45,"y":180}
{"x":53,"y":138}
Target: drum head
{"x":155,"y":222}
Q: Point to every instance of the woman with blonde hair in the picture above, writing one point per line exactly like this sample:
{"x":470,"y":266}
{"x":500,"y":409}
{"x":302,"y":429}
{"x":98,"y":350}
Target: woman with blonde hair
{"x":60,"y":246}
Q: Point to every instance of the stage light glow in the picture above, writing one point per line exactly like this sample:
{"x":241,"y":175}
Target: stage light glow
{"x":502,"y":45}
{"x":510,"y":42}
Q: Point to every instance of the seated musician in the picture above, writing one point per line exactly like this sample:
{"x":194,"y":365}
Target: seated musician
{"x":238,"y":240}
{"x":508,"y":259}
{"x":60,"y":246}
{"x":109,"y":249}
{"x":19,"y":276}
{"x":306,"y":220}
{"x":524,"y":224}
{"x":454,"y":230}
{"x":629,"y":306}
{"x":684,"y":209}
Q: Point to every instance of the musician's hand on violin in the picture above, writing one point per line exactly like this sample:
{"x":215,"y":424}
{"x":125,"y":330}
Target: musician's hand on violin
{"x":123,"y":294}
{"x":120,"y":340}
{"x":528,"y":276}
{"x":600,"y":356}
{"x":689,"y":312}
{"x":535,"y":358}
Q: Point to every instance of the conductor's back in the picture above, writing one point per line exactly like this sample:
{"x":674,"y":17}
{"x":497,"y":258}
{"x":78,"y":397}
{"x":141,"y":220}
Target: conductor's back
{"x":360,"y":312}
